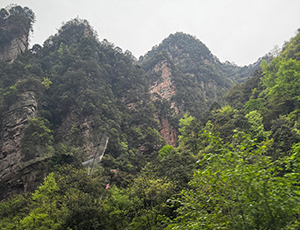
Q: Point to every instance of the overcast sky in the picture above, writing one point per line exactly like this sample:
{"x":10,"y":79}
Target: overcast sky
{"x":239,"y":31}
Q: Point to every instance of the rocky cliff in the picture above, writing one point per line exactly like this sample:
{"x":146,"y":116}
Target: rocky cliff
{"x":87,"y":89}
{"x":17,"y":174}
{"x":80,"y":133}
{"x":10,"y":51}
{"x":15,"y":26}
{"x":184,"y":72}
{"x":163,"y":88}
{"x":167,"y":132}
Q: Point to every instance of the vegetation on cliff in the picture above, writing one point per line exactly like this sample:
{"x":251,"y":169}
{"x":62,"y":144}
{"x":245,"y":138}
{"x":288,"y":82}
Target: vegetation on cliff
{"x":199,"y":78}
{"x":248,"y":155}
{"x":236,"y":166}
{"x":84,"y":89}
{"x":15,"y":22}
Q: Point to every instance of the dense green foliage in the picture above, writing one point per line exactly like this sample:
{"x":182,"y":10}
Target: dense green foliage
{"x":239,"y":187}
{"x":247,"y":181}
{"x":15,"y":21}
{"x":236,"y":166}
{"x":78,"y":78}
{"x":199,"y":77}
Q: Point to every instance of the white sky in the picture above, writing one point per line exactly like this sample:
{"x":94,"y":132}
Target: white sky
{"x":239,"y":31}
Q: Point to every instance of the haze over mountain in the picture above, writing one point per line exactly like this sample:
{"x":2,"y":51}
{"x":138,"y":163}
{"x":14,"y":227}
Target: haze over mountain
{"x":234,"y":30}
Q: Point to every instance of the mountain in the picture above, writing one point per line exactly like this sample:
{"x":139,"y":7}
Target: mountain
{"x":92,"y":138}
{"x":248,"y":153}
{"x":15,"y":25}
{"x":183,"y":71}
{"x":59,"y":100}
{"x":184,"y":76}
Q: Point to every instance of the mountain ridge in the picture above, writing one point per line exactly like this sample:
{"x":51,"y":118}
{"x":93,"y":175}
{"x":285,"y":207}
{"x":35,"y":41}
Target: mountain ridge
{"x":183,"y":73}
{"x":82,"y":88}
{"x":148,"y":144}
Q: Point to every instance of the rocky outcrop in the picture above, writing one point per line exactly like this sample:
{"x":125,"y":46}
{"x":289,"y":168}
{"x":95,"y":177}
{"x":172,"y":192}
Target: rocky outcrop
{"x":163,"y":87}
{"x":15,"y":174}
{"x":80,"y":133}
{"x":9,"y":52}
{"x":168,"y":133}
{"x":15,"y":26}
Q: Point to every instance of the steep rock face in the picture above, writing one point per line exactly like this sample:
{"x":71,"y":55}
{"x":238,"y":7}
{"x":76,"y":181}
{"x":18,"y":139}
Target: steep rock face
{"x":196,"y":74}
{"x":95,"y":94}
{"x":162,"y":87}
{"x":79,"y":132}
{"x":15,"y":173}
{"x":17,"y":46}
{"x":184,"y":72}
{"x":167,"y":132}
{"x":15,"y":25}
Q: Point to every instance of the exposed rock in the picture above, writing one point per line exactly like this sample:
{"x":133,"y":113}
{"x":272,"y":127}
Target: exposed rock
{"x":79,"y":132}
{"x":89,"y":143}
{"x":15,"y":26}
{"x":116,"y":172}
{"x":10,"y":52}
{"x":164,"y":88}
{"x":168,"y":133}
{"x":15,"y":174}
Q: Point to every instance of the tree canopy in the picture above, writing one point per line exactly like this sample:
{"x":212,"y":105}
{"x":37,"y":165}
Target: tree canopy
{"x":235,"y":165}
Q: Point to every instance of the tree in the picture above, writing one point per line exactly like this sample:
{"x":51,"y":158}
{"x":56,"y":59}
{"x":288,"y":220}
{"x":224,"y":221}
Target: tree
{"x":16,"y":21}
{"x":287,"y":81}
{"x":281,"y":79}
{"x":188,"y":134}
{"x":46,"y":83}
{"x":257,"y":127}
{"x":83,"y":195}
{"x":119,"y":207}
{"x":150,"y":194}
{"x":165,"y":151}
{"x":37,"y":140}
{"x":14,"y":210}
{"x":46,"y":210}
{"x":239,"y":187}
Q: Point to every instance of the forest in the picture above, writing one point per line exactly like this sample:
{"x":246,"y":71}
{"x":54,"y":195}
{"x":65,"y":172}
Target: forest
{"x":235,"y":165}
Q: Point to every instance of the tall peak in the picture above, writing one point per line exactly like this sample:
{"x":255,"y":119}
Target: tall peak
{"x":15,"y":26}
